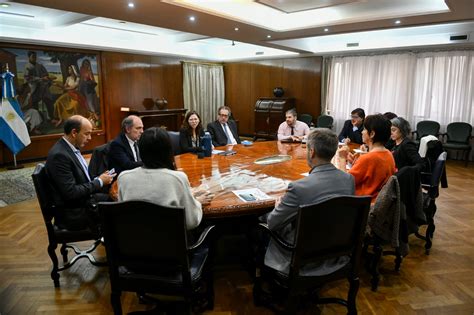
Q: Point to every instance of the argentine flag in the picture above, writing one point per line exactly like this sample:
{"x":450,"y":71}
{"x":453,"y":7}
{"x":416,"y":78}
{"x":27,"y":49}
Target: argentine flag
{"x":13,"y":130}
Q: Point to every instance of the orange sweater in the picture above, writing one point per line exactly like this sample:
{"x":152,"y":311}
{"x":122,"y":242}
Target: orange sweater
{"x":371,"y":171}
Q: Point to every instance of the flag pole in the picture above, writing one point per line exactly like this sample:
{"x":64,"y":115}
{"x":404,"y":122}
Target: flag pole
{"x":15,"y":166}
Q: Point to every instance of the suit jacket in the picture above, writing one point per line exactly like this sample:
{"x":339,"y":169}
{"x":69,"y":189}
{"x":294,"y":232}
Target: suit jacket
{"x":324,"y":181}
{"x":185,"y":141}
{"x":406,"y":154}
{"x":347,"y":132}
{"x":218,"y":135}
{"x":73,"y":192}
{"x":121,"y":156}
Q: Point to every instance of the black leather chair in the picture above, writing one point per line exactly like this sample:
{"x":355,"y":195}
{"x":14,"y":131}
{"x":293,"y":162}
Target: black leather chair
{"x":430,"y":182}
{"x":306,"y":118}
{"x":99,"y":163}
{"x":458,"y":138}
{"x":325,"y":230}
{"x":61,"y":236}
{"x":147,"y":251}
{"x":325,"y":121}
{"x":174,"y":137}
{"x":425,"y":128}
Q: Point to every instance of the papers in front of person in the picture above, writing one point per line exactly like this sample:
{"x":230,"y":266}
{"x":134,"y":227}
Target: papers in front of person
{"x":252,"y":194}
{"x":217,"y":151}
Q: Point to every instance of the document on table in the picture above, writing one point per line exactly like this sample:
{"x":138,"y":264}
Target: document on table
{"x":252,"y":194}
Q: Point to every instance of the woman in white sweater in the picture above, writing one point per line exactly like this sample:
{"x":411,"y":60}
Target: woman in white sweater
{"x":158,"y":181}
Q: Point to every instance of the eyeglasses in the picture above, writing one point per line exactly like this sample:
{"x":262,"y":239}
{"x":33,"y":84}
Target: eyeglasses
{"x":223,"y":115}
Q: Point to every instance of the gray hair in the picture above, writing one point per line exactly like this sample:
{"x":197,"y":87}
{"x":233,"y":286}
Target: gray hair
{"x":324,"y":143}
{"x":291,"y":112}
{"x":403,"y":125}
{"x":127,"y":123}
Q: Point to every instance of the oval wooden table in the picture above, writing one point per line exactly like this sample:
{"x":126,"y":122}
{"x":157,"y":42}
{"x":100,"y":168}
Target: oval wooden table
{"x":223,"y":174}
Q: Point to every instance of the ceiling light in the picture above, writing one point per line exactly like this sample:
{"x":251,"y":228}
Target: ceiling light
{"x":326,"y":29}
{"x":131,"y":5}
{"x":122,"y":22}
{"x":269,"y":36}
{"x":398,"y":22}
{"x":192,"y":18}
{"x":236,"y":29}
{"x":4,"y":5}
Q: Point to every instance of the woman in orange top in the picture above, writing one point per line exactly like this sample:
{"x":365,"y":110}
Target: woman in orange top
{"x":372,"y":170}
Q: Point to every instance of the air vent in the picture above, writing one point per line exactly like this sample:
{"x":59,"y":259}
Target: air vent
{"x":458,"y":37}
{"x":259,"y":53}
{"x":352,"y":44}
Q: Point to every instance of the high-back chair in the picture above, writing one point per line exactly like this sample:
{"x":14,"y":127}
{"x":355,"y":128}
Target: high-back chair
{"x":327,"y":230}
{"x":430,"y":182}
{"x":57,"y":235}
{"x":174,"y":138}
{"x":306,"y":118}
{"x":147,"y":251}
{"x":99,"y":163}
{"x":325,"y":121}
{"x":425,"y":128}
{"x":458,"y":138}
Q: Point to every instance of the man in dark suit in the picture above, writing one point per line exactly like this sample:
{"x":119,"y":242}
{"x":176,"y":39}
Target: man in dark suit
{"x":352,"y":130}
{"x":123,"y":154}
{"x":223,"y":130}
{"x":75,"y":193}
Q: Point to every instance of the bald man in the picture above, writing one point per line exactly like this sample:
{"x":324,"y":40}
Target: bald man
{"x":75,"y":193}
{"x":123,"y":154}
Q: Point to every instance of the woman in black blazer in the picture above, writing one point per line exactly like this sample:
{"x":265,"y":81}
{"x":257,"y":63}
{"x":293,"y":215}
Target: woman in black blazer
{"x":405,"y":151}
{"x":191,"y":132}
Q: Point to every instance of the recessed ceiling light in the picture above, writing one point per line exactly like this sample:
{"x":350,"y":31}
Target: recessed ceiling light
{"x":269,"y":36}
{"x":236,"y":29}
{"x":326,"y":29}
{"x":192,"y":18}
{"x":122,"y":22}
{"x":398,"y":22}
{"x":131,"y":5}
{"x":4,"y":5}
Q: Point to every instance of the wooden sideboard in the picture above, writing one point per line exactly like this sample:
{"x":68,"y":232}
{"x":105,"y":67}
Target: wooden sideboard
{"x":169,"y":118}
{"x":269,"y":114}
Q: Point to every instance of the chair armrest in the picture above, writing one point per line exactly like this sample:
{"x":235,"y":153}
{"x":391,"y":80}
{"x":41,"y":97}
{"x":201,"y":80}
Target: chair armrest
{"x":202,"y":238}
{"x":276,"y":237}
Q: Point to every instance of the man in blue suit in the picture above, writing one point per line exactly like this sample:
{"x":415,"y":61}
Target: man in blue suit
{"x":123,"y":154}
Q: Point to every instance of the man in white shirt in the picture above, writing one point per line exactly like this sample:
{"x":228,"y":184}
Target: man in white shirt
{"x":223,"y":131}
{"x":124,"y":154}
{"x":292,"y":129}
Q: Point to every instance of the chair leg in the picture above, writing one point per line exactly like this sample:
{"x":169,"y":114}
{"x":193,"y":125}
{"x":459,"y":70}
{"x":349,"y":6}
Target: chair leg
{"x":64,"y":252}
{"x":291,"y":304}
{"x":351,"y":297}
{"x":375,"y":266}
{"x":54,"y":259}
{"x":116,"y":304}
{"x":431,"y":227}
{"x":398,"y":261}
{"x":466,"y":159}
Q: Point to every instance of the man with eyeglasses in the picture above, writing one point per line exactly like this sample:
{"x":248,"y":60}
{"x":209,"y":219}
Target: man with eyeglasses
{"x":352,"y":130}
{"x":223,"y":131}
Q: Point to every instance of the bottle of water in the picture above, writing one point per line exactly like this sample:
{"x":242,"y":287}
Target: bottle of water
{"x":207,"y":144}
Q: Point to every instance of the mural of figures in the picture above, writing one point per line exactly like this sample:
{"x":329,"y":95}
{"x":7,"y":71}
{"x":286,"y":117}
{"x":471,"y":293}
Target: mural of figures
{"x":53,"y":85}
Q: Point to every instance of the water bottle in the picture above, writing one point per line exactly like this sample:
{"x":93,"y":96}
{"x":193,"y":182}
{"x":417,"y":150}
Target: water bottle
{"x":207,"y":144}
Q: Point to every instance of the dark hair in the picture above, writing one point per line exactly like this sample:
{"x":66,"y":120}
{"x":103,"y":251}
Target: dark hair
{"x":227,"y":108}
{"x":324,"y":143}
{"x":292,"y":112}
{"x":380,"y":126}
{"x":186,"y":123}
{"x":402,"y":125}
{"x":155,"y":149}
{"x":389,"y":115}
{"x":30,"y":53}
{"x":360,"y":112}
{"x":72,"y":123}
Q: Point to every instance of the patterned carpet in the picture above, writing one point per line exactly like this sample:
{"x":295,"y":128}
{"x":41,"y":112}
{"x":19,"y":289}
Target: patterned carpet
{"x":16,"y":186}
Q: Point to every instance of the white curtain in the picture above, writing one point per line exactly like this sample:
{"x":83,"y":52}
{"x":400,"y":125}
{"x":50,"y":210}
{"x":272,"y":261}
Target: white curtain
{"x":203,"y":89}
{"x":417,"y":86}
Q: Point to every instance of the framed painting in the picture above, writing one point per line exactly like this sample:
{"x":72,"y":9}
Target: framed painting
{"x":52,"y":85}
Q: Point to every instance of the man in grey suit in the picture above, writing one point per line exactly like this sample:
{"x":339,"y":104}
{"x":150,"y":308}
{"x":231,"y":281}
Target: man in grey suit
{"x":324,"y":181}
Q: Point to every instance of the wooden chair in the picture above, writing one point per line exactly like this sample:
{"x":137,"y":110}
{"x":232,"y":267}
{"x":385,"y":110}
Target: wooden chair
{"x":147,"y":251}
{"x":57,"y":235}
{"x":326,"y":230}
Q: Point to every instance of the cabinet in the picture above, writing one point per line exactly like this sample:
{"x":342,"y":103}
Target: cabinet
{"x":269,"y":114}
{"x":169,"y":118}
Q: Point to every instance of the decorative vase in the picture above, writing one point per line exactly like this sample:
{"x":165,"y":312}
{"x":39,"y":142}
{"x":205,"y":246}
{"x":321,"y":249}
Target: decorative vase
{"x":148,"y":103}
{"x":278,"y":92}
{"x":161,"y":103}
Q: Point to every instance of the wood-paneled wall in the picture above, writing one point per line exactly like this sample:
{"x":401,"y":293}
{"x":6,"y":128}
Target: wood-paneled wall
{"x":245,"y":82}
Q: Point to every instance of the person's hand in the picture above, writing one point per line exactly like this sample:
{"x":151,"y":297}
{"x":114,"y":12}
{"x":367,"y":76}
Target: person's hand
{"x":363,"y":147}
{"x":343,"y":152}
{"x":277,"y":201}
{"x":351,"y":157}
{"x":107,"y":178}
{"x":347,"y":141}
{"x":204,"y":197}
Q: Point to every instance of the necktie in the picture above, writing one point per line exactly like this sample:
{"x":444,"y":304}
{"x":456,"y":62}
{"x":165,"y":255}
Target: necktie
{"x":83,"y":163}
{"x":137,"y":154}
{"x":227,"y":134}
{"x":292,"y":131}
